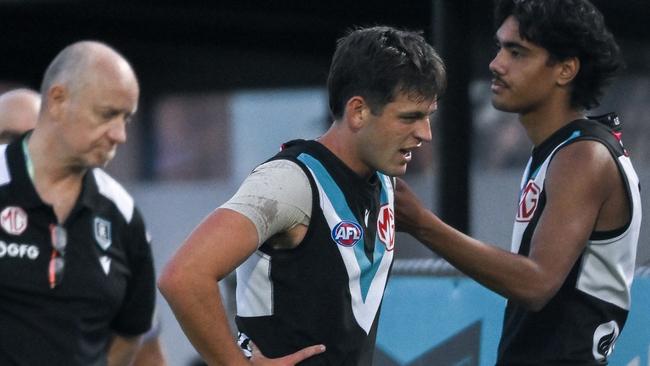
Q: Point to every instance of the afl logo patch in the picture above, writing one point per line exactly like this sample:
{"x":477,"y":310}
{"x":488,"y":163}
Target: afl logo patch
{"x":13,"y":220}
{"x":386,"y":226}
{"x":528,"y":202}
{"x":347,"y":233}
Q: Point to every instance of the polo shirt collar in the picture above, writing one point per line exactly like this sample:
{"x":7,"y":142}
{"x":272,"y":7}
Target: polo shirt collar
{"x":23,"y":189}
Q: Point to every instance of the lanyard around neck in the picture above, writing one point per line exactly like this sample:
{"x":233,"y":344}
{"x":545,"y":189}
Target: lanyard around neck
{"x":28,"y":159}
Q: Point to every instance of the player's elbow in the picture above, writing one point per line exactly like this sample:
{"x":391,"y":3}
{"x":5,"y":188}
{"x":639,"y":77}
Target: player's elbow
{"x":171,"y":282}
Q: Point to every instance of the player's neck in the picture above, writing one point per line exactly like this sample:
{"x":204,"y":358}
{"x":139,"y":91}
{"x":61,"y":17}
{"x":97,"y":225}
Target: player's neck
{"x":540,"y":124}
{"x":340,"y":144}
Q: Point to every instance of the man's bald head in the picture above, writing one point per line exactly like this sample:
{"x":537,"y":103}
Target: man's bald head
{"x":90,"y":93}
{"x":79,"y":63}
{"x":19,"y":110}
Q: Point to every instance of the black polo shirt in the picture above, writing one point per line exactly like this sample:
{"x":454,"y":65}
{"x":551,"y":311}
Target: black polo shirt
{"x":108,"y":283}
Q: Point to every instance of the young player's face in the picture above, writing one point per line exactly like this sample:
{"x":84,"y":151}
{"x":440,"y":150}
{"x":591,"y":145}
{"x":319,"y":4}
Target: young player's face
{"x":523,"y":77}
{"x":388,"y":139}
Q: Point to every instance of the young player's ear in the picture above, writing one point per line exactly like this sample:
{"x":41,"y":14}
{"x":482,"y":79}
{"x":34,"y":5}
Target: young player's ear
{"x":356,"y":111}
{"x":568,"y":70}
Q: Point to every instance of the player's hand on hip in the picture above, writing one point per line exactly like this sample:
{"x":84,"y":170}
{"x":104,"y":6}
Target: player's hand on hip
{"x":259,"y":359}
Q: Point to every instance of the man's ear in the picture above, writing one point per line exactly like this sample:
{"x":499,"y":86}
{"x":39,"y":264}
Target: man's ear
{"x":56,"y":97}
{"x":568,"y":70}
{"x":356,"y":112}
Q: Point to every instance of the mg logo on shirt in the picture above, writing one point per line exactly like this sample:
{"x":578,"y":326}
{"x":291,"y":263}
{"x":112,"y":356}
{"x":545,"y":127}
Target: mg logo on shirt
{"x":528,"y":202}
{"x":347,"y":233}
{"x":13,"y":220}
{"x":386,"y":226}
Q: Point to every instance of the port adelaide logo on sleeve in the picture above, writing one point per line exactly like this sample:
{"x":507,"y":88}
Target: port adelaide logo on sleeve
{"x":102,"y":229}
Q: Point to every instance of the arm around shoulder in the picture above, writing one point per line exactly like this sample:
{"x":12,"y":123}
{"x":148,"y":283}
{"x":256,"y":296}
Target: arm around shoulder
{"x":573,"y":203}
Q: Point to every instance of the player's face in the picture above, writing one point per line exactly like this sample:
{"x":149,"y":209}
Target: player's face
{"x":523,"y":76}
{"x":388,"y":139}
{"x":96,"y":117}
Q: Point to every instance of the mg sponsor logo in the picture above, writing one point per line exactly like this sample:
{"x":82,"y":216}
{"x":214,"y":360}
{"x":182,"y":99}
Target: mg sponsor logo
{"x":528,"y":202}
{"x":386,"y":226}
{"x":13,"y":220}
{"x":14,"y":250}
{"x":347,"y":233}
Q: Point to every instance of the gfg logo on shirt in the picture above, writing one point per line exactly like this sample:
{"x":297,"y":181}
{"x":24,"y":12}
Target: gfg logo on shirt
{"x":14,"y":250}
{"x":347,"y":233}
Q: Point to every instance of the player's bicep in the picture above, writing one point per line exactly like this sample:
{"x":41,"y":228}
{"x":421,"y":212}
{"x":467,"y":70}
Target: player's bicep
{"x":574,"y":196}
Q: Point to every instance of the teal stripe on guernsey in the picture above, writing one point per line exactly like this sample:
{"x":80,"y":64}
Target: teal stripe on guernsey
{"x":574,"y":135}
{"x":380,"y":249}
{"x":337,"y":198}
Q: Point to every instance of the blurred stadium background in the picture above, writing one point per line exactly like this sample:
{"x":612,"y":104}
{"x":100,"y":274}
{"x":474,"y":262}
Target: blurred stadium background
{"x":224,"y":83}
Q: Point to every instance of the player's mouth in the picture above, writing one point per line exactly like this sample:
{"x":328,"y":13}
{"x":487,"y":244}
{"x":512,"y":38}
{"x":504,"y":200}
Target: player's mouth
{"x":406,"y":153}
{"x":498,"y":85}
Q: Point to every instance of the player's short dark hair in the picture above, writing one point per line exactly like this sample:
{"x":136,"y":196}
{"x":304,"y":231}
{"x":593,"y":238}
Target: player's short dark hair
{"x":569,"y":28}
{"x":379,"y":62}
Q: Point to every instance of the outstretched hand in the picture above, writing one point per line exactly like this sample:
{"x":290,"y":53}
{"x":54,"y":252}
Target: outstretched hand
{"x":408,"y":208}
{"x":259,"y":359}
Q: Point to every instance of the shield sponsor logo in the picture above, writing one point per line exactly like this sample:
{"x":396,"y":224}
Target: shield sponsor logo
{"x":386,"y":226}
{"x":347,"y":233}
{"x":102,"y":232}
{"x":13,"y":220}
{"x":528,"y":202}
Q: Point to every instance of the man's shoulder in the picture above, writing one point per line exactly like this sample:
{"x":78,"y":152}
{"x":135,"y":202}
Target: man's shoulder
{"x":112,"y":190}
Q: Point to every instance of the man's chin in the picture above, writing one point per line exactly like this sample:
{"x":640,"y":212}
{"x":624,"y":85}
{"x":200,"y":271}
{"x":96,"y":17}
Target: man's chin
{"x":501,"y":106}
{"x":396,"y":171}
{"x":101,"y":161}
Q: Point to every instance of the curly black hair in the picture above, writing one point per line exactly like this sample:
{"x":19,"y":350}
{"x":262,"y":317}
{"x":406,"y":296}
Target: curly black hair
{"x":569,"y":28}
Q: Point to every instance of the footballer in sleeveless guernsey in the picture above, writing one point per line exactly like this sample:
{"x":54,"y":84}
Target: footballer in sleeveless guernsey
{"x":329,"y":288}
{"x":581,"y":323}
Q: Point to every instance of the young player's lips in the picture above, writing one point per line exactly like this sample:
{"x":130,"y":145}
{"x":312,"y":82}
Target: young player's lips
{"x":498,"y":85}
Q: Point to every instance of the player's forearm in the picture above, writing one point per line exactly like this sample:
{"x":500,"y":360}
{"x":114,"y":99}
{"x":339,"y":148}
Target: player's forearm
{"x":513,"y":276}
{"x":122,"y":350}
{"x":197,"y":305}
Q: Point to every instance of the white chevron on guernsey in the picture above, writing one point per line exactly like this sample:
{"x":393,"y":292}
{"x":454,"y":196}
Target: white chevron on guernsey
{"x":364,"y":311}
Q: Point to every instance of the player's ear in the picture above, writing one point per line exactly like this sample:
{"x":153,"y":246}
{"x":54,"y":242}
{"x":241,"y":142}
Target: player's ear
{"x":356,"y":112}
{"x":568,"y":70}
